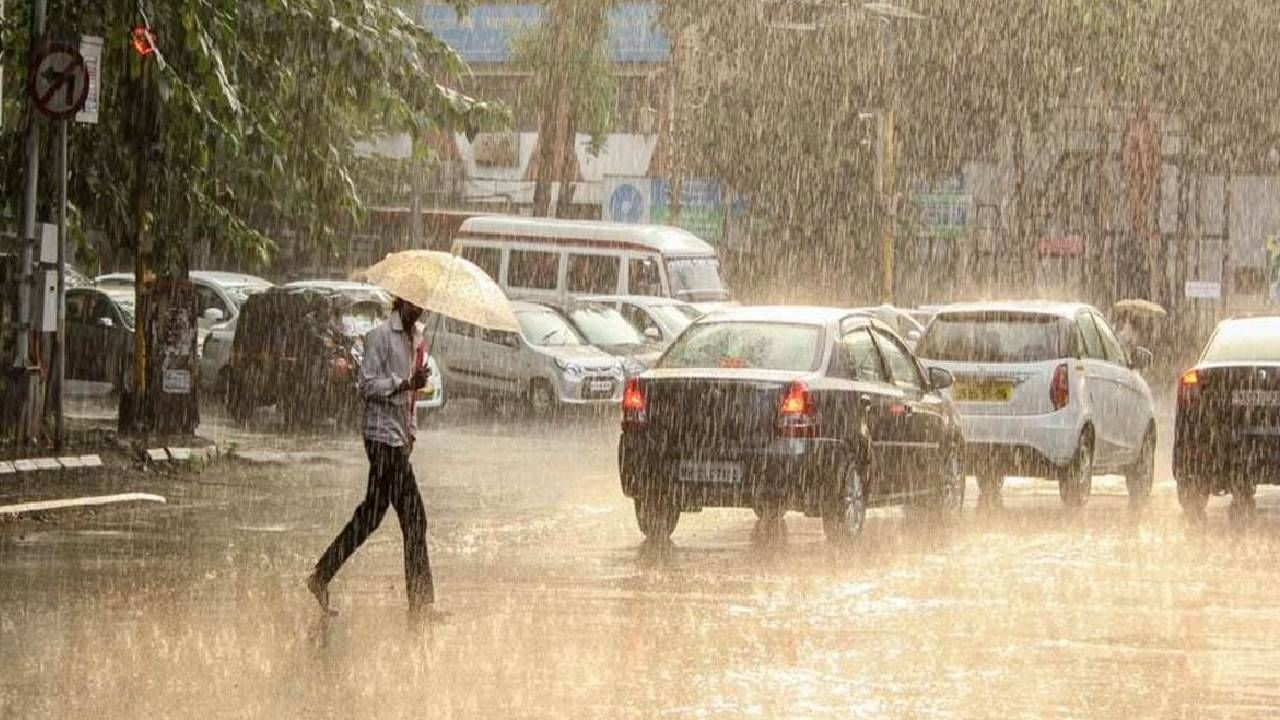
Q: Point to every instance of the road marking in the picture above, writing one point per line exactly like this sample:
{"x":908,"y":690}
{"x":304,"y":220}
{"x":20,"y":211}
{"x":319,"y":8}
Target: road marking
{"x":91,"y":501}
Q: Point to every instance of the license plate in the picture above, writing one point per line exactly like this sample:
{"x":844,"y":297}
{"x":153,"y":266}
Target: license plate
{"x":721,"y":473}
{"x":1256,"y":398}
{"x":982,"y":392}
{"x":601,"y":386}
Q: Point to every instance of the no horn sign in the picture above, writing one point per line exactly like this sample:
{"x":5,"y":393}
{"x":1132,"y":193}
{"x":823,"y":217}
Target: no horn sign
{"x":59,"y":82}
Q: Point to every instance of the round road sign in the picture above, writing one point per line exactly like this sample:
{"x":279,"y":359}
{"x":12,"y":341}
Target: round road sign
{"x":59,"y":82}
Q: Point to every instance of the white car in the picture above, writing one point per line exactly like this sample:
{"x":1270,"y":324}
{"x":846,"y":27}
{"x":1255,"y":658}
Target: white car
{"x":1046,"y":390}
{"x":547,"y":365}
{"x":659,"y":319}
{"x":219,"y":297}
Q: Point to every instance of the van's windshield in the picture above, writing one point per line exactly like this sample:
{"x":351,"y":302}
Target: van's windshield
{"x":697,"y":279}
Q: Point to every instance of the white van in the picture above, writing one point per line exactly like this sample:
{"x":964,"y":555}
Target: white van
{"x":540,"y":258}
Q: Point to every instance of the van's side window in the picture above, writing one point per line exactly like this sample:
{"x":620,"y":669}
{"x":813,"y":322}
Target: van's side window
{"x":644,"y":278}
{"x":488,"y":259}
{"x":593,"y":274}
{"x":533,"y":269}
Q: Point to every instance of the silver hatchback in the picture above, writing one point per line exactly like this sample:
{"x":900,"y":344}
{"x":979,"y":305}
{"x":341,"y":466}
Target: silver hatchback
{"x":546,"y":365}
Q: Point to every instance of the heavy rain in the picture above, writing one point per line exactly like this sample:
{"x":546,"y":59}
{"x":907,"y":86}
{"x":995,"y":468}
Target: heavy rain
{"x":639,"y":358}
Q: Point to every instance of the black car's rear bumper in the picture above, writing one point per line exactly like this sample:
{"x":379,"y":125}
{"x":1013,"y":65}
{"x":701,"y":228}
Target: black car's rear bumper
{"x":797,"y":474}
{"x":1219,"y":456}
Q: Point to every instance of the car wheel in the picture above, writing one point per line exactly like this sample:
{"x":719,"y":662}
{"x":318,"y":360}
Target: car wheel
{"x":541,"y":398}
{"x":657,"y":516}
{"x":1076,"y":482}
{"x":1244,"y":507}
{"x":1194,"y":498}
{"x":846,"y":514}
{"x":1141,"y":475}
{"x":948,"y":500}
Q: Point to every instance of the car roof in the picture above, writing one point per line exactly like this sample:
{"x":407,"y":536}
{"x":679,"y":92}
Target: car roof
{"x":1030,"y":307}
{"x":799,"y":314}
{"x":113,"y":293}
{"x":229,"y":278}
{"x":529,"y":306}
{"x":642,"y":300}
{"x":334,"y":285}
{"x":661,"y":238}
{"x":1251,"y":324}
{"x":206,"y":277}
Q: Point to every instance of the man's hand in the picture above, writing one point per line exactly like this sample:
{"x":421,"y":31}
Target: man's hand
{"x":419,"y":379}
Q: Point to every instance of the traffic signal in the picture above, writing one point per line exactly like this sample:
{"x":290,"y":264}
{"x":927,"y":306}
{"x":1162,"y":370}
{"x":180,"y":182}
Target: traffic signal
{"x":143,"y":40}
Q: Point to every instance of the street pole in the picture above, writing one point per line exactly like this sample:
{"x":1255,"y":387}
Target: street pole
{"x":29,"y":384}
{"x":60,"y":344}
{"x":886,"y":173}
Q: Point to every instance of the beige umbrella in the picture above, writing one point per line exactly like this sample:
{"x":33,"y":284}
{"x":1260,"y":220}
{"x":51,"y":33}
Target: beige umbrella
{"x":1141,"y":308}
{"x":447,"y":285}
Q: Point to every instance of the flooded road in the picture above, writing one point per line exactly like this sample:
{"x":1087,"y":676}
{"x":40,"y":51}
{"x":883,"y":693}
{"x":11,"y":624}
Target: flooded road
{"x":197,"y":608}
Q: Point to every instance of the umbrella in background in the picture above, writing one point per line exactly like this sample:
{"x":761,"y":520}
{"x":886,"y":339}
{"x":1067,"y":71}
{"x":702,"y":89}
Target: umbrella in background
{"x":445,"y":284}
{"x":1140,"y":308}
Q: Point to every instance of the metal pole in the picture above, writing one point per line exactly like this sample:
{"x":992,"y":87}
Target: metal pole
{"x":20,"y":355}
{"x":60,"y":345}
{"x":888,"y":239}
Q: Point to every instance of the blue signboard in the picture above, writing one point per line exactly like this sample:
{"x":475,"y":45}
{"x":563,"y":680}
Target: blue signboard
{"x":483,"y":35}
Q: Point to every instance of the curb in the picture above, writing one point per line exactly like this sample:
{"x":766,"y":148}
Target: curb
{"x":11,"y":469}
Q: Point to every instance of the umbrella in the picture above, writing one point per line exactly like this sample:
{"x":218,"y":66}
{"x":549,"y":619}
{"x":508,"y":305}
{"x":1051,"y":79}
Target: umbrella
{"x":447,"y":285}
{"x":1141,"y":308}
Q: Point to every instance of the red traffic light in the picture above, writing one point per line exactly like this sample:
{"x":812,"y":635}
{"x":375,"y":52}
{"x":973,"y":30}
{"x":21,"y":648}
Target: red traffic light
{"x":143,"y":40}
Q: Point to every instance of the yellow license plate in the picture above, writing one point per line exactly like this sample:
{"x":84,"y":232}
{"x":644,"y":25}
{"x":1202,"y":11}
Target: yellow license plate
{"x":983,"y":392}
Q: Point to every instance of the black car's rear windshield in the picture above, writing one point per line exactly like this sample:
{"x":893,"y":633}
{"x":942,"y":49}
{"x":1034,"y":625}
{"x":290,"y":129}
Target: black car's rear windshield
{"x":1246,"y":341}
{"x":997,"y":337}
{"x":755,"y":345}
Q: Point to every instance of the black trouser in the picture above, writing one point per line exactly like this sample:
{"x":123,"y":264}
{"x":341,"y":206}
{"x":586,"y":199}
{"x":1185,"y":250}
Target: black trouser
{"x":391,"y":482}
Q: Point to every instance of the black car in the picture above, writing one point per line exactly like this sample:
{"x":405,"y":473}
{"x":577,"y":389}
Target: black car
{"x":100,"y":335}
{"x":814,"y":410}
{"x":298,"y":347}
{"x":1228,"y":425}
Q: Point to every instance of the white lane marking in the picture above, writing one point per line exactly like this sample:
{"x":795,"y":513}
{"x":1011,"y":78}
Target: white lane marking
{"x":68,"y":503}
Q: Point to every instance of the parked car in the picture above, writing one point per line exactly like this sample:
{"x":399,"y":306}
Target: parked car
{"x":815,"y":410}
{"x":547,"y":365}
{"x":431,"y":397}
{"x":605,"y":328}
{"x":902,"y":322}
{"x":99,"y":325}
{"x":1046,"y":389}
{"x":552,"y":259}
{"x":1227,"y":433}
{"x":219,"y":297}
{"x":657,"y":318}
{"x":299,"y":347}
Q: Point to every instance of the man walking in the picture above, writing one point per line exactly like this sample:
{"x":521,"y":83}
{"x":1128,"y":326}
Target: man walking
{"x":388,"y":381}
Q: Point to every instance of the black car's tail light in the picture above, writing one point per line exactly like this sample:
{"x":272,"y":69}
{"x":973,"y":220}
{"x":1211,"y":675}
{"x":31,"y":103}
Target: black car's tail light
{"x":1060,"y":388}
{"x":635,"y":406}
{"x":1188,"y":388}
{"x":797,"y":417}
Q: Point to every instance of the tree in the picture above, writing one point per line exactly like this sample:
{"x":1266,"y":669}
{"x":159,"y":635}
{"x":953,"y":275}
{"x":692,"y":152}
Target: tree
{"x":256,"y":106}
{"x":569,"y":56}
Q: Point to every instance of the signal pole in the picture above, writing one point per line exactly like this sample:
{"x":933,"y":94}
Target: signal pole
{"x":31,"y":410}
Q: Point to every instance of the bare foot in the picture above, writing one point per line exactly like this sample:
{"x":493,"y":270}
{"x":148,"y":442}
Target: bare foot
{"x":321,"y":593}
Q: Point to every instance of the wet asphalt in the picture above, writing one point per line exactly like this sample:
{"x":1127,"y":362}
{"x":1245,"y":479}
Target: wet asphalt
{"x":558,"y":610}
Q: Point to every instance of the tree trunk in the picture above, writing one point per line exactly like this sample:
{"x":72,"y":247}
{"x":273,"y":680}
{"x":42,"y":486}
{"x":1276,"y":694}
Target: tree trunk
{"x":555,"y":109}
